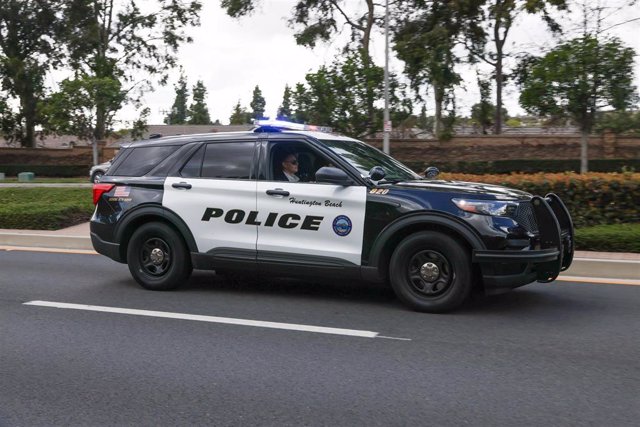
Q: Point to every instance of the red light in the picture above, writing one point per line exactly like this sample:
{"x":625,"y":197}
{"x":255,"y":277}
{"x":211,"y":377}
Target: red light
{"x":99,"y":190}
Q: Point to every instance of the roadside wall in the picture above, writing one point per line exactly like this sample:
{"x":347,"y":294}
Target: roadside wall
{"x":76,"y":156}
{"x":512,"y":147}
{"x":485,"y":148}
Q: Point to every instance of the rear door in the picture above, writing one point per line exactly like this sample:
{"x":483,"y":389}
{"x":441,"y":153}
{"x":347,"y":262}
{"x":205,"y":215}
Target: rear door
{"x":215,"y":194}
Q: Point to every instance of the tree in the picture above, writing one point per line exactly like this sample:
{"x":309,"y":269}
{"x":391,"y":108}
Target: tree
{"x":576,"y":80}
{"x":284,"y":111}
{"x":72,"y":109}
{"x":317,"y":20}
{"x":29,"y":36}
{"x":240,"y":115}
{"x":115,"y":40}
{"x":140,"y":125}
{"x":178,"y":113}
{"x":501,"y":15}
{"x":425,"y":41}
{"x":336,"y":96}
{"x":483,"y":113}
{"x":257,"y":104}
{"x":619,"y":122}
{"x":198,"y":111}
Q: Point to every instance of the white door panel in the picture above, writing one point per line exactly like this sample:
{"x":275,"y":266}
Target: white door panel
{"x":314,"y":219}
{"x":215,"y":210}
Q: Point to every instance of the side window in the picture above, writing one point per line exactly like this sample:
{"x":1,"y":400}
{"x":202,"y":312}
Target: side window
{"x":231,"y":160}
{"x":191,"y":169}
{"x":295,"y":162}
{"x":142,"y":160}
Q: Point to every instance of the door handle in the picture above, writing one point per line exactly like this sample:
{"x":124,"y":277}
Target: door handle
{"x":184,"y":185}
{"x":277,"y":192}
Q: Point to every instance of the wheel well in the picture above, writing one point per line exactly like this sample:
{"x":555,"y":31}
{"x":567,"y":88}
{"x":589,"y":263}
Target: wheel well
{"x":139,"y":221}
{"x":393,"y":242}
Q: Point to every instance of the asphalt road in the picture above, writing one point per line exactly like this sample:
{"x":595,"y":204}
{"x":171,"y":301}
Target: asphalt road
{"x":547,"y":354}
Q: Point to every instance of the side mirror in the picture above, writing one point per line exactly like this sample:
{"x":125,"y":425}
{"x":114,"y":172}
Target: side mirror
{"x":377,"y":173}
{"x":431,"y":172}
{"x":330,"y":175}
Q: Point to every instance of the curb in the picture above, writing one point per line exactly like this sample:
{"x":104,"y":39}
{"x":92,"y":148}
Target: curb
{"x":51,"y":241}
{"x":581,"y":266}
{"x":610,"y":268}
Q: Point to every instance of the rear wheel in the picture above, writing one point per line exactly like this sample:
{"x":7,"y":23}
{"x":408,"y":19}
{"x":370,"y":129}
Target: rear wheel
{"x":431,"y":272}
{"x":158,"y":258}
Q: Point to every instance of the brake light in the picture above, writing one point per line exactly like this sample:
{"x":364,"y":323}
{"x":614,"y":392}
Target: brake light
{"x":99,"y":190}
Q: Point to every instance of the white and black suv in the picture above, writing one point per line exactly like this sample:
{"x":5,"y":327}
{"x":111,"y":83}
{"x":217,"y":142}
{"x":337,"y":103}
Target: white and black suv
{"x":217,"y":201}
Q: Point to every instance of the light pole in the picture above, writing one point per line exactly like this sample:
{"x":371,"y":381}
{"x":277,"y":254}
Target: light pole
{"x":386,"y":122}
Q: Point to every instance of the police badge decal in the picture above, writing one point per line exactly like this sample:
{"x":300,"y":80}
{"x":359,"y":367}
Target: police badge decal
{"x":342,"y":225}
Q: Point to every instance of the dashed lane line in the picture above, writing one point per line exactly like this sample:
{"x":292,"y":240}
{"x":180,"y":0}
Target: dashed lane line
{"x":213,"y":319}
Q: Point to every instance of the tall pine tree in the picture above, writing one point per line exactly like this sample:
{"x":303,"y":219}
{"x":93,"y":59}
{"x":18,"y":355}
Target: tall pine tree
{"x":240,"y":115}
{"x":257,"y":104}
{"x":198,"y":111}
{"x":284,"y":112}
{"x":178,"y":113}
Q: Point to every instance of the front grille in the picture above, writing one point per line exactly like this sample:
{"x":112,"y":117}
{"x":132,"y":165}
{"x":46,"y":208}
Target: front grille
{"x":524,"y":216}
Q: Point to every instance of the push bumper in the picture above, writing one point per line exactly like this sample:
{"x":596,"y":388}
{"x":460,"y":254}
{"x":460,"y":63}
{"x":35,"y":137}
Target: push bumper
{"x":507,"y":269}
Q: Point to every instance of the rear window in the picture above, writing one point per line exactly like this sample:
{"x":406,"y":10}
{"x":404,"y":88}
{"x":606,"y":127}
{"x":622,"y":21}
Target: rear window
{"x":228,"y":160}
{"x":142,"y":159}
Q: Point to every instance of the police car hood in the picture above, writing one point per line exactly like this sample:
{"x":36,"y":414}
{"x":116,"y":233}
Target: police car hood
{"x":466,"y":188}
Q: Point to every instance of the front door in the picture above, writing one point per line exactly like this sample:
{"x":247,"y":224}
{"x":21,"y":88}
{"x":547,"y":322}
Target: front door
{"x":308,"y":221}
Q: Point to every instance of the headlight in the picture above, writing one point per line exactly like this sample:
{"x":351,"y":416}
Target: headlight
{"x":487,"y":207}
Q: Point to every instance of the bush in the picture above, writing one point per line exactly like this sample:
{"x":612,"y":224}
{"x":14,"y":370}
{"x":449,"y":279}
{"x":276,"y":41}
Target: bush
{"x":44,"y":208}
{"x":609,"y":238}
{"x":592,"y":199}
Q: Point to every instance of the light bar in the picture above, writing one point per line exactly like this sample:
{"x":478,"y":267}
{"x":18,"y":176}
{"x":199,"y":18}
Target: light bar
{"x":282,"y":124}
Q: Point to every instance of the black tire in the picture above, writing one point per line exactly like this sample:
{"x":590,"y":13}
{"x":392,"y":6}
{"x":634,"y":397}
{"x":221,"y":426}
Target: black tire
{"x":95,"y":178}
{"x":422,"y":287}
{"x":158,"y":257}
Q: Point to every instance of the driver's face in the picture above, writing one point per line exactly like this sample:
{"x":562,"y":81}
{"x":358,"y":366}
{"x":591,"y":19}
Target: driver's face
{"x":290,"y":164}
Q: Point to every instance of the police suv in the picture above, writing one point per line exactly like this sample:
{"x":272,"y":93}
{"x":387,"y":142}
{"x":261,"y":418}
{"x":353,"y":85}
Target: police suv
{"x":221,"y":201}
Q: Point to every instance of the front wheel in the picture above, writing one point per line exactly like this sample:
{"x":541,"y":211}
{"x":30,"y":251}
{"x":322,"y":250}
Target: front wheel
{"x":158,"y":258}
{"x":431,"y":272}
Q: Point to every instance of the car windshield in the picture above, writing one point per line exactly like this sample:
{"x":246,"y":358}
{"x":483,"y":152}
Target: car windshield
{"x":364,"y":157}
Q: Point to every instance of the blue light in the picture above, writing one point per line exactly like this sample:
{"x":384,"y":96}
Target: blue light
{"x":284,"y":125}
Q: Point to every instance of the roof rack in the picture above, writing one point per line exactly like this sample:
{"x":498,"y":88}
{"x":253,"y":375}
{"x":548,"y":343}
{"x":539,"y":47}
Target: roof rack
{"x":269,"y":125}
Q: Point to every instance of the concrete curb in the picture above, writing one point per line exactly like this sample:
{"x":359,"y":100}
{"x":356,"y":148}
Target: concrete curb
{"x":582,"y":266}
{"x":609,"y":268}
{"x":52,"y":241}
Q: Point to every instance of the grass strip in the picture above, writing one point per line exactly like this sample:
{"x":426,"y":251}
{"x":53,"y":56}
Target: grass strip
{"x":44,"y":208}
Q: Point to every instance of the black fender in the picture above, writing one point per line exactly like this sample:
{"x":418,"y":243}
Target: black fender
{"x":123,"y":231}
{"x":380,"y":251}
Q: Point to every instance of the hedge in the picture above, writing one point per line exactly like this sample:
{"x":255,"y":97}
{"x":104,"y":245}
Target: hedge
{"x":609,"y":238}
{"x":592,"y":199}
{"x":527,"y":166}
{"x":44,"y":208}
{"x":59,"y":171}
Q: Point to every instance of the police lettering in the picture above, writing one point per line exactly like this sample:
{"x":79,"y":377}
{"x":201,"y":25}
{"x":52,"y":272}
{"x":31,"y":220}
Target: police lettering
{"x":288,"y":220}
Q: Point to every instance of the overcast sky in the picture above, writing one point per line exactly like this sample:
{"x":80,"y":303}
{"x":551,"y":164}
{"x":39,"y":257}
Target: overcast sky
{"x":232,"y":56}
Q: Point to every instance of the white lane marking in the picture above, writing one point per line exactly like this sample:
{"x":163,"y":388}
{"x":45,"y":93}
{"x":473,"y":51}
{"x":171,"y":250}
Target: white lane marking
{"x":211,"y":319}
{"x":599,"y":280}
